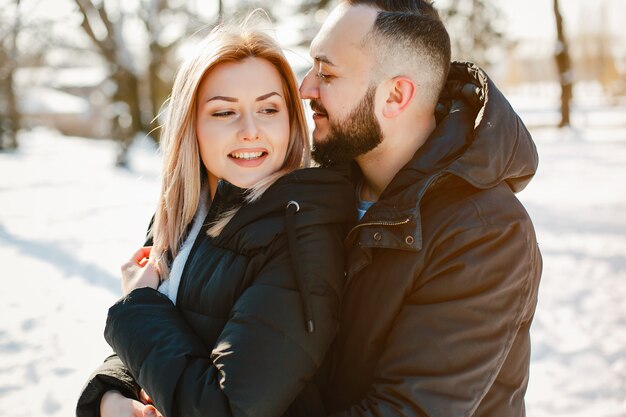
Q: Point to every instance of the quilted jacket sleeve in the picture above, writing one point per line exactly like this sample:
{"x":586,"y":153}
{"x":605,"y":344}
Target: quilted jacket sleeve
{"x":263,"y":357}
{"x":111,"y":375}
{"x":475,"y":296}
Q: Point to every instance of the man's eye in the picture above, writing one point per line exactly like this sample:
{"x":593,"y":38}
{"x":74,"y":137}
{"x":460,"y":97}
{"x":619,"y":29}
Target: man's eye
{"x":322,"y":76}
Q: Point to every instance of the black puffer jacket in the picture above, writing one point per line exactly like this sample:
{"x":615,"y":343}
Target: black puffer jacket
{"x":443,"y":272}
{"x":237,"y":343}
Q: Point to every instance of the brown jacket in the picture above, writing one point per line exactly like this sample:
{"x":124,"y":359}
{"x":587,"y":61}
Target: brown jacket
{"x":443,"y":272}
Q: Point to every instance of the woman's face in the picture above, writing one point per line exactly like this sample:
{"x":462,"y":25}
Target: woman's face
{"x":242,"y":122}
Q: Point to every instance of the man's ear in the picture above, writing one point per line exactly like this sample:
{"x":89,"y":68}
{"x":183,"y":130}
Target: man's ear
{"x":401,"y":95}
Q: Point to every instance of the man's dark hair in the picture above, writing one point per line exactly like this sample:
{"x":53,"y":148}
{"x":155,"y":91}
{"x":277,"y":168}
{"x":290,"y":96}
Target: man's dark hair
{"x":410,"y":32}
{"x":421,"y":7}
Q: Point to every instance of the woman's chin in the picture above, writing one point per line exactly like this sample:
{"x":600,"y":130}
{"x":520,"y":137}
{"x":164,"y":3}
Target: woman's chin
{"x":244,"y":183}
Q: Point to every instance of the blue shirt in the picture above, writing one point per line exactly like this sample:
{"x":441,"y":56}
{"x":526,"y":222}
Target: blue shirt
{"x":362,"y":205}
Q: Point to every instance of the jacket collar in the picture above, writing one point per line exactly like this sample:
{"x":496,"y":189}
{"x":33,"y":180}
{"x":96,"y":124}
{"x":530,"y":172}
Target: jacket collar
{"x":303,"y":186}
{"x":480,"y":140}
{"x":227,"y":196}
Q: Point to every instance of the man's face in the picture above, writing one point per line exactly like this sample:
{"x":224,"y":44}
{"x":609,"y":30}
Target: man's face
{"x":357,"y":134}
{"x":340,"y":89}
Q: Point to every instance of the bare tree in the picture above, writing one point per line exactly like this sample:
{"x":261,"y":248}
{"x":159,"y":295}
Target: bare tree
{"x":9,"y":111}
{"x":126,"y":101}
{"x":140,"y":89}
{"x":161,"y":65}
{"x":474,"y":30}
{"x":220,"y":10}
{"x":594,"y":57}
{"x":564,"y":66}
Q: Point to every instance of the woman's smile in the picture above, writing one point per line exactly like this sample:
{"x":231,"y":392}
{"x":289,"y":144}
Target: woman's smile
{"x":248,"y":157}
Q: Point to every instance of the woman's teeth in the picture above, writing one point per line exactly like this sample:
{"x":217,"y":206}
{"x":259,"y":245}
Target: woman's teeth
{"x":246,"y":155}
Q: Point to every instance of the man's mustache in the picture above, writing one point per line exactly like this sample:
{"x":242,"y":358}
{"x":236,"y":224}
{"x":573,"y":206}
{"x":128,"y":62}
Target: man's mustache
{"x":317,"y":107}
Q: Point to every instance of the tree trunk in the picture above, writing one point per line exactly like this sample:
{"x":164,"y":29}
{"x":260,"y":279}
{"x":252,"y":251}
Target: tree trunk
{"x":159,"y":89}
{"x":127,"y":115}
{"x":13,"y":113}
{"x":220,"y":11}
{"x":127,"y":121}
{"x":12,"y":124}
{"x":564,"y":67}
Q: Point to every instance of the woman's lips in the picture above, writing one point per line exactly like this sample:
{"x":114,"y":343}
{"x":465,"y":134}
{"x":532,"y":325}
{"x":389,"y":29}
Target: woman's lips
{"x":248,"y":158}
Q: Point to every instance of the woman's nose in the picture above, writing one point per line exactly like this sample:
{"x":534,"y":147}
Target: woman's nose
{"x":249,"y":129}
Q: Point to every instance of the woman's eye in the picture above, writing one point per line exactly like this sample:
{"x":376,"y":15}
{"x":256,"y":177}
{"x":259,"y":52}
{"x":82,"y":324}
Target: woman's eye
{"x":224,"y":113}
{"x":269,"y":110}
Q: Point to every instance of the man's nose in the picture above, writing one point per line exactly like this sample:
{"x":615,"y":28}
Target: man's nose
{"x":309,"y":88}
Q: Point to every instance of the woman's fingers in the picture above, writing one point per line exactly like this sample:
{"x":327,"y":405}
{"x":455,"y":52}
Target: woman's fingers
{"x":114,"y":404}
{"x":138,"y":409}
{"x":140,"y":271}
{"x":139,"y":258}
{"x":144,"y":397}
{"x":142,"y":256}
{"x":150,"y":411}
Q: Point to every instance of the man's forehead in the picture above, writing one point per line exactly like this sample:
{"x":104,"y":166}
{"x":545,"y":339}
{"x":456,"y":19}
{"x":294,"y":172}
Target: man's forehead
{"x":342,"y":32}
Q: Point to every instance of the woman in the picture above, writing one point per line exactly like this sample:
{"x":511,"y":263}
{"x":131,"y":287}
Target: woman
{"x":247,"y":245}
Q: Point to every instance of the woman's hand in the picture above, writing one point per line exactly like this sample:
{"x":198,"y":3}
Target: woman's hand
{"x":140,"y":271}
{"x":114,"y":404}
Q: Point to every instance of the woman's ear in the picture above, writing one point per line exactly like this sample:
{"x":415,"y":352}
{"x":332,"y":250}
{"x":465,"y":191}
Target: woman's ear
{"x":401,"y":94}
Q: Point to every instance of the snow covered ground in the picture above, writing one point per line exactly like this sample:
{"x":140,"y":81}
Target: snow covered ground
{"x":68,"y":219}
{"x":578,"y":204}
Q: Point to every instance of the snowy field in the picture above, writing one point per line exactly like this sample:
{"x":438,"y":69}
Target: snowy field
{"x":68,"y":219}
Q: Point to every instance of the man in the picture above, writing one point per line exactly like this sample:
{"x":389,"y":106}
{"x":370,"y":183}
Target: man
{"x":443,"y":267}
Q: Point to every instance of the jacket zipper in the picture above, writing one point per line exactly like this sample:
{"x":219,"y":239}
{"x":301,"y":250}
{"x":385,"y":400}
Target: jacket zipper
{"x":398,"y":223}
{"x":430,"y":182}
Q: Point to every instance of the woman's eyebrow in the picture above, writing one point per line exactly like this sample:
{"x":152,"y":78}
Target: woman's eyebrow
{"x":268,"y":95}
{"x":235,"y":100}
{"x":224,"y":98}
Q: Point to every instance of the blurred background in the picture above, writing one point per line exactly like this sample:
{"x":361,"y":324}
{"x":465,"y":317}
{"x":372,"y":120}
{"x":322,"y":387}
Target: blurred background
{"x":82,"y":84}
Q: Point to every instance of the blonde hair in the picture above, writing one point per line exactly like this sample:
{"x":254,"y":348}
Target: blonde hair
{"x":183,"y":171}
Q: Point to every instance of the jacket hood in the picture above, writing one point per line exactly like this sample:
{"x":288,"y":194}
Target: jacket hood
{"x":478,"y":138}
{"x":500,"y":147}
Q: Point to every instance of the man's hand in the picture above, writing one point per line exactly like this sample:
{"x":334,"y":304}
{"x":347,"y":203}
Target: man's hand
{"x":139,"y":271}
{"x":114,"y":404}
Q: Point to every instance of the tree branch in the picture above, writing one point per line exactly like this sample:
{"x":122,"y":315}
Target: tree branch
{"x":106,"y":46}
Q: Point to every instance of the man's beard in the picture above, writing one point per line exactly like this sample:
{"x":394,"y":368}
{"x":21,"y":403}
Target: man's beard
{"x":356,"y":135}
